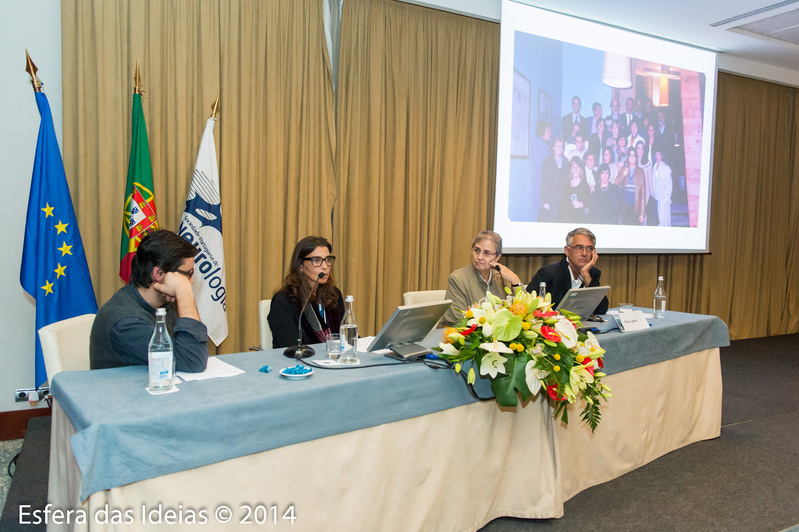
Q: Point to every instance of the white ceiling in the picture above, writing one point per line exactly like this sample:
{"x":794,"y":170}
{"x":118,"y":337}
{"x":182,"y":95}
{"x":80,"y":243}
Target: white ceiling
{"x":690,"y":22}
{"x":684,"y":21}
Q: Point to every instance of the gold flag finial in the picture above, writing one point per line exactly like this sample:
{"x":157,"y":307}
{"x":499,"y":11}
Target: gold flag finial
{"x":215,"y":107}
{"x":137,"y":80}
{"x":31,"y":69}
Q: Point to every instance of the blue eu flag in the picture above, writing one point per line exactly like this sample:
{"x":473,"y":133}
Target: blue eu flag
{"x":54,"y":269}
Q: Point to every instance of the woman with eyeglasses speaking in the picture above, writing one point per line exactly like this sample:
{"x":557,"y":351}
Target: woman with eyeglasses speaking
{"x":309,"y":277}
{"x":470,"y":284}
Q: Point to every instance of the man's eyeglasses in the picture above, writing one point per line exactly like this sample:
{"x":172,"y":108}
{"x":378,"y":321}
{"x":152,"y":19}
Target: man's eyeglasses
{"x":580,"y":249}
{"x":317,"y":261}
{"x":189,"y":274}
{"x":484,"y":252}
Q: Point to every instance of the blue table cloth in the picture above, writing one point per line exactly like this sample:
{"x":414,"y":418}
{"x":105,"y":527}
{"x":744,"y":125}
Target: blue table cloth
{"x":123,"y":434}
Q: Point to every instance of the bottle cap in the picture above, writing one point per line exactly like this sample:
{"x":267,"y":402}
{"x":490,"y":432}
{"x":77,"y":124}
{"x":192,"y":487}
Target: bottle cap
{"x":660,"y":277}
{"x":349,"y":298}
{"x":160,"y":311}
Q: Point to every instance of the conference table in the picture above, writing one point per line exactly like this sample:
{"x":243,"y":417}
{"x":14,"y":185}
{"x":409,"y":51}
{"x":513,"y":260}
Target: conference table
{"x":384,"y":445}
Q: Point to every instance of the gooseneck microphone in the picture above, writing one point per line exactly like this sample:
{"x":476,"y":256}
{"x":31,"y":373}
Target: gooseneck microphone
{"x":502,"y":279}
{"x":301,"y":350}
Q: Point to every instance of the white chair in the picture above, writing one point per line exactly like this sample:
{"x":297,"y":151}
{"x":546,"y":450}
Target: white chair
{"x":65,"y":345}
{"x":423,"y":296}
{"x":266,"y":333}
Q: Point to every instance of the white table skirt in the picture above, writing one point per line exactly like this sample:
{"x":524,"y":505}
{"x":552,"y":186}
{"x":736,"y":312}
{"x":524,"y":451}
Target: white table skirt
{"x":452,"y":470}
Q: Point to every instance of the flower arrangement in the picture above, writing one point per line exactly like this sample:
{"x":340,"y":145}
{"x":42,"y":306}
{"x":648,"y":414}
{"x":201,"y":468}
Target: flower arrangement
{"x":524,"y":346}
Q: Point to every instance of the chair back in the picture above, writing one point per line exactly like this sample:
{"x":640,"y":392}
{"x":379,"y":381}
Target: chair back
{"x":266,"y":333}
{"x":423,"y":296}
{"x":65,"y":345}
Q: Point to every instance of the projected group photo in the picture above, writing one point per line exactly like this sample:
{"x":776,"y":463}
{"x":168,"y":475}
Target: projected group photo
{"x":615,"y":152}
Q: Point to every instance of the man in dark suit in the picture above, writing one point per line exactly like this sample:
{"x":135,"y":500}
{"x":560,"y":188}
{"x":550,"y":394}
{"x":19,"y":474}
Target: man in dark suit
{"x":576,"y":270}
{"x":567,"y":124}
{"x":628,"y":117}
{"x":664,"y":138}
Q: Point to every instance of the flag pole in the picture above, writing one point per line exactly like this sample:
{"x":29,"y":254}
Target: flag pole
{"x":137,"y":80}
{"x":215,"y":107}
{"x":32,"y":70}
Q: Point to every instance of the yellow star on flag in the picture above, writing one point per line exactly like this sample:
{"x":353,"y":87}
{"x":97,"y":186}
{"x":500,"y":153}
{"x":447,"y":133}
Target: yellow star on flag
{"x":48,"y":288}
{"x":61,"y":226}
{"x":48,"y":211}
{"x":60,"y":271}
{"x":65,"y":249}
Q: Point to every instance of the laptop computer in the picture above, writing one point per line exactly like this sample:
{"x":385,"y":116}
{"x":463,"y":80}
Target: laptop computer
{"x":583,"y":301}
{"x":408,"y":325}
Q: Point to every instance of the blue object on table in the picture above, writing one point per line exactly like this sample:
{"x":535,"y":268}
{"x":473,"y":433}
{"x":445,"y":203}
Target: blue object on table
{"x":266,"y":369}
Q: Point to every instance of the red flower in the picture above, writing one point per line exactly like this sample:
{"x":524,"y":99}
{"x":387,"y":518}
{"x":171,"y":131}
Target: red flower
{"x":552,"y":390}
{"x":550,"y":334}
{"x":588,"y":366}
{"x":601,"y":364}
{"x":547,"y":314}
{"x":470,"y":330}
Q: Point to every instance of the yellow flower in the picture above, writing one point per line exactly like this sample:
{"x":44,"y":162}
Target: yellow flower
{"x":518,"y":309}
{"x":556,"y":356}
{"x":482,"y":320}
{"x":526,"y":325}
{"x":469,"y":314}
{"x":448,"y":331}
{"x":579,"y":359}
{"x":556,"y":368}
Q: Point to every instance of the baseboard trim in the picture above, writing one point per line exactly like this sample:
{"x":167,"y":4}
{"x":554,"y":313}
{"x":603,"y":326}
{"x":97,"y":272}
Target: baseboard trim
{"x":14,"y":423}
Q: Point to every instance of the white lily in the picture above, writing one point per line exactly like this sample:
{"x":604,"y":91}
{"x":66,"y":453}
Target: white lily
{"x":533,"y":377}
{"x":492,"y":364}
{"x":568,"y":334}
{"x":484,"y":310}
{"x":447,"y":349}
{"x":496,"y":347}
{"x":579,"y":376}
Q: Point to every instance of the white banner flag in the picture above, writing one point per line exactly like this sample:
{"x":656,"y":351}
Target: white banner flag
{"x":201,"y":225}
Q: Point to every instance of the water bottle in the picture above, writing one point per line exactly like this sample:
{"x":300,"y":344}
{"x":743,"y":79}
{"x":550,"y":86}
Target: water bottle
{"x":660,"y":299}
{"x":542,"y":289}
{"x":160,"y":355}
{"x":349,"y":334}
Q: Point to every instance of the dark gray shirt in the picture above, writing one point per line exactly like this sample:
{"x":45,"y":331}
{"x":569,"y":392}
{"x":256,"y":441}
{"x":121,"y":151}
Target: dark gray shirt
{"x":123,"y":327}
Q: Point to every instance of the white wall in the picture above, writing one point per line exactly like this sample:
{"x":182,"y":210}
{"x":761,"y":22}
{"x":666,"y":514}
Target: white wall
{"x":37,"y":26}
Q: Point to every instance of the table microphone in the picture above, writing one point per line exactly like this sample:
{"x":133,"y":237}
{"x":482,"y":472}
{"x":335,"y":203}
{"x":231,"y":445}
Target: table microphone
{"x":496,"y":267}
{"x":300,"y":350}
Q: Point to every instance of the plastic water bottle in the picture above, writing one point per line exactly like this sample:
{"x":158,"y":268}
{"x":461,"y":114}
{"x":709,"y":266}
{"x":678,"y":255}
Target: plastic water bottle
{"x":660,"y":299}
{"x":349,"y":334}
{"x":160,"y":355}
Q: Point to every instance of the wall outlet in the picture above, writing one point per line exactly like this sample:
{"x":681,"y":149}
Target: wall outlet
{"x":21,"y":394}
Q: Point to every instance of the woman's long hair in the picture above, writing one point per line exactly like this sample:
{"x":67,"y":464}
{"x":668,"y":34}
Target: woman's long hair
{"x":297,"y":285}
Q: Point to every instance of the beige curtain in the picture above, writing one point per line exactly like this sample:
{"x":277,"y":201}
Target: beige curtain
{"x":416,"y":115}
{"x":416,"y":162}
{"x":411,"y":178}
{"x":275,"y":133}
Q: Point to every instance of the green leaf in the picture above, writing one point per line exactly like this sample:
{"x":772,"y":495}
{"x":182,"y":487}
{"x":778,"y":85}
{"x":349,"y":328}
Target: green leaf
{"x":506,"y":387}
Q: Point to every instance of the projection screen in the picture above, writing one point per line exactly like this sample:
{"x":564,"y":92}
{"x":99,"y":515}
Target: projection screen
{"x":559,"y":77}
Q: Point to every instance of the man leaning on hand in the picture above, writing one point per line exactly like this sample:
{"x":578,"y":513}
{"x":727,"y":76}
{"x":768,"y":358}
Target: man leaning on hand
{"x":576,"y":270}
{"x":161,"y":276}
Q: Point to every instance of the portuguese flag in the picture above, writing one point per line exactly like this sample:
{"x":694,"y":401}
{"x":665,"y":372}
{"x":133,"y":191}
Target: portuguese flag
{"x":139,"y":215}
